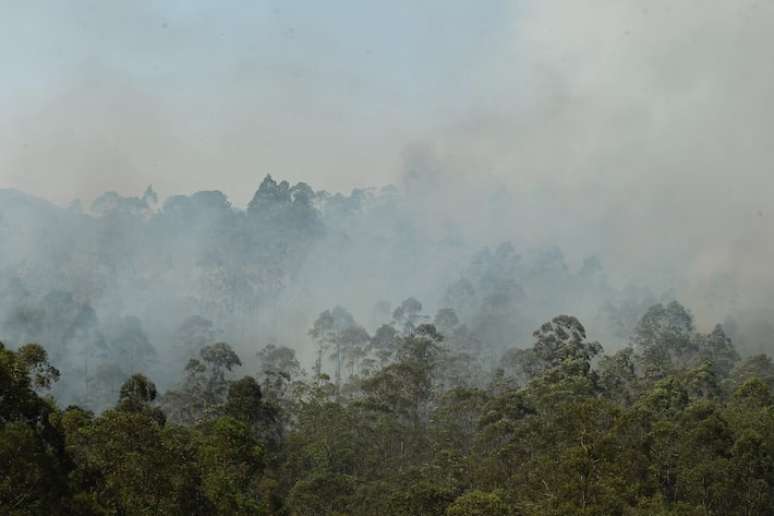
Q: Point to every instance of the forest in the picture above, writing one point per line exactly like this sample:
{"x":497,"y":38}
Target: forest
{"x":409,"y":422}
{"x":197,"y":358}
{"x":437,"y":258}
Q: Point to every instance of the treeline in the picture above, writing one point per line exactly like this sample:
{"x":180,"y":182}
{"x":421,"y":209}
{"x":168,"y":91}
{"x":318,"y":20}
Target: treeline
{"x":411,"y":420}
{"x":137,"y":283}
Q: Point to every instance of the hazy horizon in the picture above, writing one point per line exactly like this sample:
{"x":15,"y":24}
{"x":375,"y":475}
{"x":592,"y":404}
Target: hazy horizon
{"x":638,"y":134}
{"x":431,"y":258}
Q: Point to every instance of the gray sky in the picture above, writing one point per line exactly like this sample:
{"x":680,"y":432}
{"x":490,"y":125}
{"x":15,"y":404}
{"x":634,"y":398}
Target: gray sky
{"x":193,"y":95}
{"x":639,"y":130}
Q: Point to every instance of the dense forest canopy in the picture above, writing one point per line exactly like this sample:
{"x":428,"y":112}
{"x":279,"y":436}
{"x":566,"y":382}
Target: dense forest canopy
{"x":133,"y":284}
{"x":177,"y":358}
{"x":513,"y":258}
{"x":413,"y":421}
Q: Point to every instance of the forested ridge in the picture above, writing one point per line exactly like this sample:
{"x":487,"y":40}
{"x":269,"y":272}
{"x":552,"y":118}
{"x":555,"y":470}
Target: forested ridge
{"x":132,"y":284}
{"x":505,"y":258}
{"x":192,"y":357}
{"x":409,"y":420}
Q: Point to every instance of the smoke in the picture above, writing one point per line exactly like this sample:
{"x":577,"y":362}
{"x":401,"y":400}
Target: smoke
{"x":638,"y":134}
{"x":641,"y":133}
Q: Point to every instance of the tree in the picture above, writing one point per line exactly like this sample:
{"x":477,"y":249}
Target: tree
{"x":405,"y":388}
{"x":35,"y":360}
{"x":757,"y":366}
{"x":354,"y":345}
{"x":664,"y":338}
{"x":280,"y":369}
{"x":279,"y":359}
{"x":232,"y":461}
{"x":136,"y":395}
{"x":269,"y":194}
{"x":220,"y":359}
{"x":123,"y":459}
{"x":618,"y":376}
{"x":563,"y":340}
{"x":407,"y":315}
{"x":337,"y":328}
{"x":558,"y":429}
{"x":717,"y":349}
{"x":245,"y":403}
{"x":384,"y":344}
{"x":523,"y":364}
{"x":32,"y":456}
{"x":565,"y":355}
{"x":478,"y":503}
{"x":203,"y":391}
{"x":453,"y":428}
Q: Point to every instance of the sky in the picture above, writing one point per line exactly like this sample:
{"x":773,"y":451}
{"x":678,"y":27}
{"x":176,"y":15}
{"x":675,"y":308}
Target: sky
{"x":639,"y":131}
{"x":193,"y":95}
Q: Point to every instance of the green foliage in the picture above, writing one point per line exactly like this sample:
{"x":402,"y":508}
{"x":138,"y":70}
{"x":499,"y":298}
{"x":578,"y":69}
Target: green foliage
{"x":32,"y":459}
{"x":203,"y":391}
{"x":35,"y":359}
{"x":231,"y":460}
{"x":32,"y":478}
{"x":479,"y":503}
{"x":675,"y":425}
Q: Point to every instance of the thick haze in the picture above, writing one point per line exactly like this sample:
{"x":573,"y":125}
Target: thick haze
{"x":649,"y":126}
{"x":202,"y":95}
{"x":638,"y":132}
